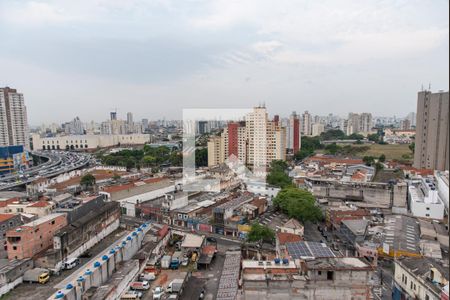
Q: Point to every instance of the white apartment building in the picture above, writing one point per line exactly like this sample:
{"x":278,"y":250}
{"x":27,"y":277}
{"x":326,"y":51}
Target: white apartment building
{"x":13,"y":119}
{"x":425,"y":201}
{"x":256,"y":124}
{"x":87,"y":142}
{"x":317,"y":129}
{"x":306,"y":123}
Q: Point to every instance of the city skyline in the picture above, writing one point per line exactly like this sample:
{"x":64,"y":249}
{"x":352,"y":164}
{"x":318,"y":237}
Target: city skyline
{"x":313,"y":56}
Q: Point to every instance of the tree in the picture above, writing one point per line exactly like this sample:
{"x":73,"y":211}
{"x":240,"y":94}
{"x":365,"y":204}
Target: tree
{"x":260,"y":232}
{"x":299,"y":204}
{"x":334,"y":134}
{"x":368,"y":160}
{"x":382,"y":158}
{"x":149,"y":160}
{"x":412,"y":147}
{"x":355,"y":136}
{"x":116,"y":177}
{"x":278,"y":176}
{"x":374,"y":137}
{"x":201,"y":157}
{"x":379,"y":166}
{"x":87,"y":180}
{"x":302,"y":154}
{"x":332,"y":148}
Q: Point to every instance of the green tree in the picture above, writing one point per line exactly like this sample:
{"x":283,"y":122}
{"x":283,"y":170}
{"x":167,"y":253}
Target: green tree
{"x":299,"y":204}
{"x":149,"y":160}
{"x":412,"y":147}
{"x":201,"y":157}
{"x":368,"y":160}
{"x":333,"y":148}
{"x":355,"y":136}
{"x":278,"y":176}
{"x":260,"y":232}
{"x":382,"y":158}
{"x":379,"y":166}
{"x":116,"y":177}
{"x":334,"y":134}
{"x":374,"y":137}
{"x":87,"y":180}
{"x":302,"y":154}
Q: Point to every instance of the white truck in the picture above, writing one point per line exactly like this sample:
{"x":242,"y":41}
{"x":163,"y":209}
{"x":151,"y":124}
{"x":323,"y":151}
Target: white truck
{"x":39,"y":275}
{"x":177,"y":285}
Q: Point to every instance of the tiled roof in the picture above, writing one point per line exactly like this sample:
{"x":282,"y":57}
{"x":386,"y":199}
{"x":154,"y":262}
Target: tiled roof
{"x":284,"y":238}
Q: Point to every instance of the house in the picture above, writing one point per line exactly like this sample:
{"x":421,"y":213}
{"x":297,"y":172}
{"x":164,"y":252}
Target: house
{"x":419,"y":278}
{"x":7,"y":222}
{"x":293,"y":226}
{"x":27,"y":240}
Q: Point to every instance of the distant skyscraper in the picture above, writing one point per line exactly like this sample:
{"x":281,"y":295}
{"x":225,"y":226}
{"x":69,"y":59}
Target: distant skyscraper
{"x":294,"y":139}
{"x":306,"y":123}
{"x":432,"y":130}
{"x":113,"y":115}
{"x":13,"y":119}
{"x":130,"y":118}
{"x":145,"y":124}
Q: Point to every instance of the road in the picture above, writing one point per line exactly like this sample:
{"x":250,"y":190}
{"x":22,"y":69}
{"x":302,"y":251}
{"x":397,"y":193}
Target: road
{"x":59,"y":162}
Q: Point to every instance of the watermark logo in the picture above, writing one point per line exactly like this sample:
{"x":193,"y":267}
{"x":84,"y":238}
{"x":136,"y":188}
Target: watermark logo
{"x":238,"y":145}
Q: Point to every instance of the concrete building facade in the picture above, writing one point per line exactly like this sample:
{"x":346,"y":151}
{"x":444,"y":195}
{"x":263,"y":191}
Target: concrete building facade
{"x":32,"y":238}
{"x":13,"y":119}
{"x":88,"y":142}
{"x":432,"y":130}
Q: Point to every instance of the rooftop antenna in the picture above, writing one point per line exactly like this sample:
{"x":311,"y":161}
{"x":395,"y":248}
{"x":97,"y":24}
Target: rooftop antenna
{"x":429,"y":86}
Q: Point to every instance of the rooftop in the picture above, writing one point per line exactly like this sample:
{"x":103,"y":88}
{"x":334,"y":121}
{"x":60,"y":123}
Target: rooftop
{"x":43,"y":219}
{"x":357,"y":227}
{"x":305,"y":250}
{"x":284,"y":238}
{"x":421,"y":267}
{"x":6,"y":217}
{"x":192,"y":241}
{"x":402,"y":234}
{"x":338,"y":263}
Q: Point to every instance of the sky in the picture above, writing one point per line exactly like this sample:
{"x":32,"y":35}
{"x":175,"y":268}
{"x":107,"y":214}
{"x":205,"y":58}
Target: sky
{"x":157,"y":57}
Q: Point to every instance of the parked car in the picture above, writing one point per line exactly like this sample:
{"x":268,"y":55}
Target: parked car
{"x":211,"y":240}
{"x":71,"y":263}
{"x":140,"y":285}
{"x":158,"y":293}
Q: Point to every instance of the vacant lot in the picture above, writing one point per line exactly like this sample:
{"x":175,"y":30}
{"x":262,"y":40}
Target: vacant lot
{"x":391,"y":151}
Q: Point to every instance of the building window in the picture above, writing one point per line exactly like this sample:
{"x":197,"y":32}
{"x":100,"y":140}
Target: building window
{"x":428,"y":208}
{"x":14,"y":247}
{"x":330,"y":275}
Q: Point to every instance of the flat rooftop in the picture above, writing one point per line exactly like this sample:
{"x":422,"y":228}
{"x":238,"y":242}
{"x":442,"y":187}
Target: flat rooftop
{"x":338,"y":263}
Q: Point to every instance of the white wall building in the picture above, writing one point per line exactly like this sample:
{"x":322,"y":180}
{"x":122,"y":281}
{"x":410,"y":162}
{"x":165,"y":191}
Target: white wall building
{"x":85,"y":142}
{"x":424,"y":200}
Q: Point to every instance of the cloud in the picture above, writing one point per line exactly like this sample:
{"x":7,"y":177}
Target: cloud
{"x":35,"y":13}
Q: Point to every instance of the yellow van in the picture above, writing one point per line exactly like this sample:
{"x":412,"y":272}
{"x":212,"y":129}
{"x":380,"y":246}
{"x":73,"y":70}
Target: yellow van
{"x":44,"y":278}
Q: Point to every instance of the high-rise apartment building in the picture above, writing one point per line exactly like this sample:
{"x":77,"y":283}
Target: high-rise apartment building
{"x":293,"y":130}
{"x":432,"y":130}
{"x":317,"y":129}
{"x":306,"y":123}
{"x":215,"y":151}
{"x":255,"y":142}
{"x":359,"y":123}
{"x":13,"y":119}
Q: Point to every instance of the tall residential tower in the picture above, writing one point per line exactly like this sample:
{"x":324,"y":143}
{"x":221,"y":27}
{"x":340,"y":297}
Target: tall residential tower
{"x":432,"y":130}
{"x":13,"y":119}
